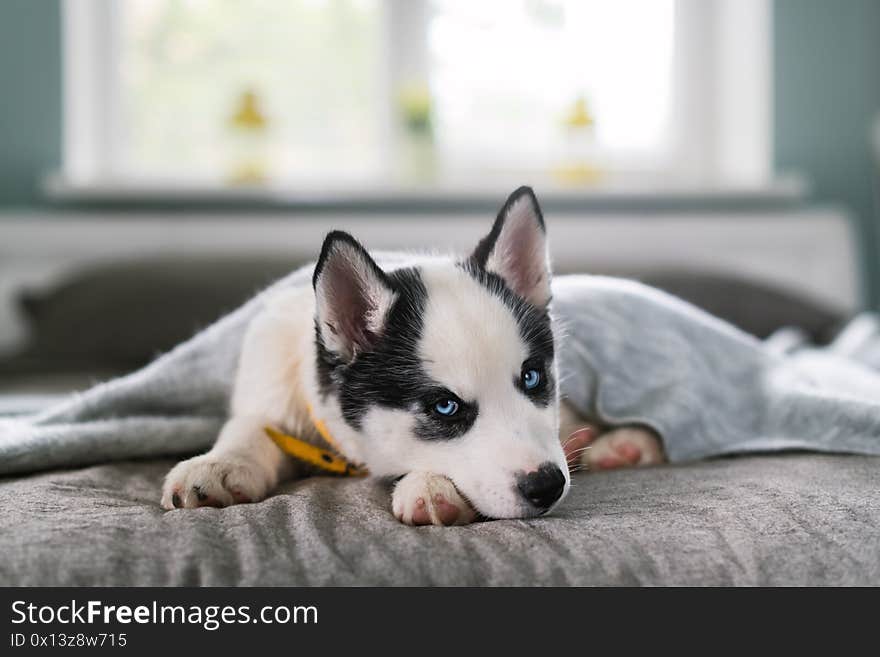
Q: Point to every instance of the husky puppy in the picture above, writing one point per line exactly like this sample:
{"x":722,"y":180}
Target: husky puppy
{"x":439,"y":372}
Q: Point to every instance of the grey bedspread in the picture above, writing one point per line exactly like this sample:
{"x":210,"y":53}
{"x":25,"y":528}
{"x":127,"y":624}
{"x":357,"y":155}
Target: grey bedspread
{"x":782,"y":519}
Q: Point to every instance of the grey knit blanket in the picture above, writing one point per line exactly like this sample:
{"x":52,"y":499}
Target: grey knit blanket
{"x":628,"y":353}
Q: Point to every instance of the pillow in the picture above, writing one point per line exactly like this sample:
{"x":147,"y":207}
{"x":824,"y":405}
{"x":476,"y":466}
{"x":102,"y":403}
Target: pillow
{"x":119,"y":316}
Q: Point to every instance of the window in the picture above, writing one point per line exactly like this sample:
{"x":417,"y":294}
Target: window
{"x":312,"y":67}
{"x":503,"y":76}
{"x":393,"y":92}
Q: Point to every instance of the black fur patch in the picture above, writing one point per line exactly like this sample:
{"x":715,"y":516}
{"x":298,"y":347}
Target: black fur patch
{"x":541,"y":394}
{"x":431,"y":425}
{"x":390,"y":374}
{"x":534,"y":328}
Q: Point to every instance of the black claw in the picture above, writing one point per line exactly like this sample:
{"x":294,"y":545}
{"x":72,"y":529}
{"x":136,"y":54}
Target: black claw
{"x":199,"y":494}
{"x":175,"y":500}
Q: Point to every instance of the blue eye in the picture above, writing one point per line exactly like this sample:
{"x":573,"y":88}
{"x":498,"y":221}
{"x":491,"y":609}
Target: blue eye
{"x":531,"y":379}
{"x":447,"y":407}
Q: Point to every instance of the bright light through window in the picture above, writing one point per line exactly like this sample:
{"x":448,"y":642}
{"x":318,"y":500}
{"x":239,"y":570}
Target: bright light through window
{"x":312,"y":64}
{"x":504,"y":73}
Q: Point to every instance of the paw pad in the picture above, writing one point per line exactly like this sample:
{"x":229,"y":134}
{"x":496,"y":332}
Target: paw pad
{"x":215,"y":481}
{"x":429,"y":499}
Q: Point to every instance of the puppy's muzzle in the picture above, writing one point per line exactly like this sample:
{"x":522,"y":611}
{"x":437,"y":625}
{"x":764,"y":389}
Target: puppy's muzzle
{"x":543,"y":487}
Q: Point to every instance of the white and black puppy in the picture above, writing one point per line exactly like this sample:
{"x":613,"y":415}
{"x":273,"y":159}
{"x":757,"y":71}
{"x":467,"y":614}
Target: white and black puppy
{"x":439,"y":371}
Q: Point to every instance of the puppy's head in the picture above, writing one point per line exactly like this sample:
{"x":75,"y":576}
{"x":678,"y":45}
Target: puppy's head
{"x":450,"y":367}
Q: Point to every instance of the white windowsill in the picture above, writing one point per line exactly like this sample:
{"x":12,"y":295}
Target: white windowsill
{"x":790,"y":189}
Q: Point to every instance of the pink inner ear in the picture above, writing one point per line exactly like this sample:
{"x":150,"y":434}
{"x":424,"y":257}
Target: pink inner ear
{"x":520,"y":255}
{"x":348,"y":303}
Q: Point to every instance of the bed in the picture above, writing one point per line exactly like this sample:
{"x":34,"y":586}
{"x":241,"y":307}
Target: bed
{"x":788,"y":519}
{"x":792,"y":519}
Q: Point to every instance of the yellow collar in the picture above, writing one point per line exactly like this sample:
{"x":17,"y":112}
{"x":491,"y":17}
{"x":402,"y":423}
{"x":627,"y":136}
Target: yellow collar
{"x":320,"y":458}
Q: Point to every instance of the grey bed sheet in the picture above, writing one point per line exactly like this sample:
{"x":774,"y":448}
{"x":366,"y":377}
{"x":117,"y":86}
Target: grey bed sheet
{"x":788,"y":519}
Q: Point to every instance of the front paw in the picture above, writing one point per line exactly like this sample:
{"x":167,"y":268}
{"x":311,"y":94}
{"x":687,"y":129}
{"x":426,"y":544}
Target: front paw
{"x":215,"y":480}
{"x":424,"y":498}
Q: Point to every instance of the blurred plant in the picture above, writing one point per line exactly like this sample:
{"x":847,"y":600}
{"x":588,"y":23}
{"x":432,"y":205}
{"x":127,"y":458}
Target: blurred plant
{"x":417,"y":155}
{"x":415,"y":108}
{"x":579,"y":146}
{"x":249,"y":141}
{"x":579,"y":116}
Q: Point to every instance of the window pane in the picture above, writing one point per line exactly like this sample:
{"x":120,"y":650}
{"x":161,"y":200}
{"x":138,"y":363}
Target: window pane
{"x":502,"y":76}
{"x":313,"y":65}
{"x":504,"y":73}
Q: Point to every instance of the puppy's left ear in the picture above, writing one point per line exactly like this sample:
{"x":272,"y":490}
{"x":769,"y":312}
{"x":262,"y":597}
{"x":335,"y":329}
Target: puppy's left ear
{"x":516,"y":248}
{"x":352,"y":295}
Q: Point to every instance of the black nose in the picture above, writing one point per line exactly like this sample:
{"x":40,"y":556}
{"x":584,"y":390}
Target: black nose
{"x":543,"y":486}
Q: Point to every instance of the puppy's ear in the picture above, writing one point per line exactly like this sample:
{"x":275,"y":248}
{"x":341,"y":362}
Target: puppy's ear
{"x":516,"y":248}
{"x":352,"y":294}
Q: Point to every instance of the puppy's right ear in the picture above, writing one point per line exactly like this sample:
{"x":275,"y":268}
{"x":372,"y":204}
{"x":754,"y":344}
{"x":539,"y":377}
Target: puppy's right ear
{"x":516,"y":248}
{"x":352,"y":294}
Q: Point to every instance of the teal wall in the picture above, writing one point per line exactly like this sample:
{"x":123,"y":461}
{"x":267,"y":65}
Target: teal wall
{"x":30,"y":97}
{"x":827,"y":90}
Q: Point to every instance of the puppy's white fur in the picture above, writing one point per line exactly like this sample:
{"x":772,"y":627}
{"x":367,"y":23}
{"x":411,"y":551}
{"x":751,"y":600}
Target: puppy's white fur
{"x":470,"y":344}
